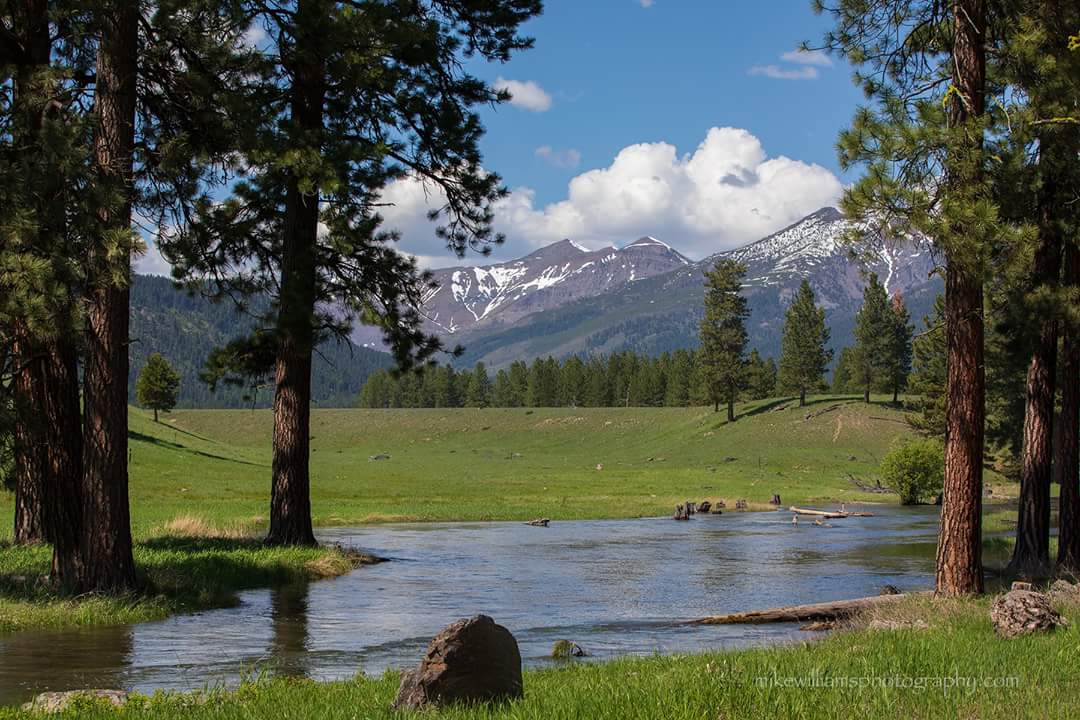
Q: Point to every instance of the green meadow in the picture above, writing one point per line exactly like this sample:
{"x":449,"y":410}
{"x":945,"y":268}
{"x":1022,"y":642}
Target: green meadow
{"x":508,"y":464}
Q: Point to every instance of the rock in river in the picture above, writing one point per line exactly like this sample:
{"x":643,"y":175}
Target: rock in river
{"x":473,"y":660}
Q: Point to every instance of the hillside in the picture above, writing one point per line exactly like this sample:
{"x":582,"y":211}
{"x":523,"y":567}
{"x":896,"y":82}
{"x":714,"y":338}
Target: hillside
{"x":185,"y":328}
{"x":512,"y":464}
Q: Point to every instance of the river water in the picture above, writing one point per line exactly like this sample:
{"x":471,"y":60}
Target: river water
{"x":615,"y":587}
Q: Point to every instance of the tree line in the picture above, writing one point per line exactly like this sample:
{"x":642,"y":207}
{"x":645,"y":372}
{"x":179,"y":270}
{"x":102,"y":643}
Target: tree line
{"x":720,"y":371}
{"x":256,"y":137}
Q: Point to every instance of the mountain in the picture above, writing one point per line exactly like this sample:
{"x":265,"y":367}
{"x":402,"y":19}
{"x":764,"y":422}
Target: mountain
{"x":184,"y":328}
{"x":469,"y":299}
{"x":659,"y":312}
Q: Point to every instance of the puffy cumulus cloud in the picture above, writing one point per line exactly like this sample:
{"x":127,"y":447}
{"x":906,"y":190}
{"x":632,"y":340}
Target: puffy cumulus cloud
{"x":526,"y":95}
{"x":646,"y":3}
{"x":726,"y":193}
{"x":151,"y":262}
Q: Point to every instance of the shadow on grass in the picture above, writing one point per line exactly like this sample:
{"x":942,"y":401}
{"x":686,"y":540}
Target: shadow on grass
{"x":142,"y":437}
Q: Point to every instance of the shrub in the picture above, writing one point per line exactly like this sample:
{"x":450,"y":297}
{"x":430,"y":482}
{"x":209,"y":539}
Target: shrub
{"x":915,"y":469}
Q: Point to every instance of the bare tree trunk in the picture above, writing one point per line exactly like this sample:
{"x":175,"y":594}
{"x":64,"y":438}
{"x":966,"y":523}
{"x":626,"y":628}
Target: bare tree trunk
{"x":64,"y":511}
{"x":959,"y":551}
{"x":802,"y":397}
{"x":1067,"y":467}
{"x":290,"y":496}
{"x":1031,"y":555}
{"x":109,"y":563}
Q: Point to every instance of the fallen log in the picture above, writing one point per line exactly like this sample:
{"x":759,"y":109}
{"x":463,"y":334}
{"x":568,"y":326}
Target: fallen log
{"x":805,"y":613}
{"x":833,"y":514}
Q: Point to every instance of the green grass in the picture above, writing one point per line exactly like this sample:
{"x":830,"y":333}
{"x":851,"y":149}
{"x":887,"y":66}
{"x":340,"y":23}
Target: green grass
{"x":889,"y":674}
{"x":508,"y":464}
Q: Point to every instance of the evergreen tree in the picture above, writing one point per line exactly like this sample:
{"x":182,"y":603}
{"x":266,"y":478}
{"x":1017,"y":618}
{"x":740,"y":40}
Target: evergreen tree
{"x":343,"y":117}
{"x":804,"y":355}
{"x":158,"y":385}
{"x":677,"y":386}
{"x":900,"y":350}
{"x":501,"y":395}
{"x":843,"y":379}
{"x":929,"y":373}
{"x":518,"y":380}
{"x":723,"y":334}
{"x":923,"y":142}
{"x":543,"y":384}
{"x":761,"y":377}
{"x":874,"y":339}
{"x":572,"y":382}
{"x":478,"y":393}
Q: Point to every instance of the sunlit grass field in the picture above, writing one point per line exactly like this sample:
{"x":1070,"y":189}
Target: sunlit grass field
{"x":471,"y":464}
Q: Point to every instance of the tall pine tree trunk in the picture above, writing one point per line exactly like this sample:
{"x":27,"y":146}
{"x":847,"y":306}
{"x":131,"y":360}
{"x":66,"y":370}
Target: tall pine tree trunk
{"x":1067,"y":467}
{"x":30,"y":445}
{"x":64,"y":511}
{"x":1031,"y":555}
{"x":959,"y":551}
{"x":109,"y":564}
{"x":290,"y":495}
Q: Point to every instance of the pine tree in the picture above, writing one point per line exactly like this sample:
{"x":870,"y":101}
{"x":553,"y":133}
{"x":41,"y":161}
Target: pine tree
{"x":677,"y":387}
{"x":899,"y":358}
{"x":923,"y":143}
{"x":804,"y":355}
{"x":843,"y":379}
{"x":761,"y":377}
{"x":874,"y":339}
{"x":158,"y":385}
{"x":929,"y":374}
{"x":572,"y":382}
{"x":478,"y":393}
{"x":723,"y":334}
{"x":345,"y":116}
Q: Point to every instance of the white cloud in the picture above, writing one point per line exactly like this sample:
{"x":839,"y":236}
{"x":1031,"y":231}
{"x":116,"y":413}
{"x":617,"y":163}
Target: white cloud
{"x":646,"y":3}
{"x":151,"y":262}
{"x":526,"y":95}
{"x":569,"y":158}
{"x":805,"y":72}
{"x":807,"y":57}
{"x":726,"y":193}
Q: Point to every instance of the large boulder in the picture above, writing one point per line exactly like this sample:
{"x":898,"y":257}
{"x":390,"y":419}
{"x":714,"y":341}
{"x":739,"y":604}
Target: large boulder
{"x":1023,"y":612}
{"x":470,"y":661}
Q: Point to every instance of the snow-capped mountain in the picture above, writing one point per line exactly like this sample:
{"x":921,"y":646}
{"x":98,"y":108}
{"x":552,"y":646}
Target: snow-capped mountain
{"x":660,"y":312}
{"x":491,"y":295}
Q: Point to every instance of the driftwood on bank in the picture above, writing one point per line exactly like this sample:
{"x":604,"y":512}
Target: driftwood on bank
{"x":803,"y":613}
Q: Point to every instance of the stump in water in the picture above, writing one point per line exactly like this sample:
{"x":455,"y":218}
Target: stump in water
{"x":681,"y":513}
{"x":539,"y":522}
{"x":691,"y":508}
{"x":704,"y":507}
{"x":565,"y":649}
{"x":1023,"y":612}
{"x":775,"y":499}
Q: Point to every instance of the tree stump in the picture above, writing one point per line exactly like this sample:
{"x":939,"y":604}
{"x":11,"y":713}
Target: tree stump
{"x":775,"y":499}
{"x":704,"y":507}
{"x":1023,"y":612}
{"x":539,"y":522}
{"x":681,"y":513}
{"x":691,"y":508}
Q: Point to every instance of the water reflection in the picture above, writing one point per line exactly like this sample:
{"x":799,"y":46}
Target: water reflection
{"x":289,"y":630}
{"x":614,"y":587}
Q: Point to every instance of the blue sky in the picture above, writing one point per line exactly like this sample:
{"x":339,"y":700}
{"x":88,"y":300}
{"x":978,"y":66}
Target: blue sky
{"x":620,"y":73}
{"x":695,"y":121}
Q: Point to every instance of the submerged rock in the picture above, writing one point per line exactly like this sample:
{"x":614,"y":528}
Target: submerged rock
{"x":473,"y":660}
{"x":564,"y":649}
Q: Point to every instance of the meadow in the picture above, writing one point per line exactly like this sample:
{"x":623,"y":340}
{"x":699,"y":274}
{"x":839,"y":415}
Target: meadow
{"x":508,"y":464}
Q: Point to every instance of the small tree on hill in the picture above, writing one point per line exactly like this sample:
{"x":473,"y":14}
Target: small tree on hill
{"x":900,"y":356}
{"x":760,"y":376}
{"x":723,"y":334}
{"x":874,"y":333}
{"x":804,"y":355}
{"x":158,"y":385}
